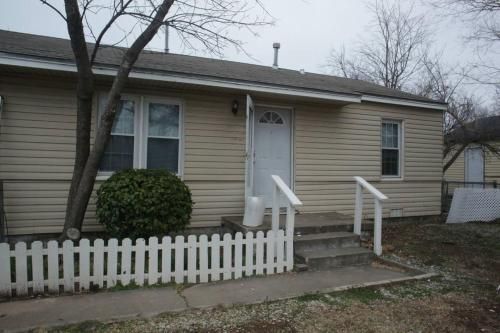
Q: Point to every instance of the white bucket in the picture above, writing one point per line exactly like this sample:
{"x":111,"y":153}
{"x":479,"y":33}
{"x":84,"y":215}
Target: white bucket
{"x":254,"y":212}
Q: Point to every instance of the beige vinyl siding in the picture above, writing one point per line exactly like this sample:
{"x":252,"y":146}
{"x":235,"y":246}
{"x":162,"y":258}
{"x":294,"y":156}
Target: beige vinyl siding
{"x":456,"y":172}
{"x":333,"y":145}
{"x":492,"y":165}
{"x":214,"y":157}
{"x":37,"y":151}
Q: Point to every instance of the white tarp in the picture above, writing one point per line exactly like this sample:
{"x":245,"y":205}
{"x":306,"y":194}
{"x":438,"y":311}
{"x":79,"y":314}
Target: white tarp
{"x":473,"y":204}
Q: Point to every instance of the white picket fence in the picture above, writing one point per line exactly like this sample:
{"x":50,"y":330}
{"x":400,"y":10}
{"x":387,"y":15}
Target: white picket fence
{"x":53,"y":269}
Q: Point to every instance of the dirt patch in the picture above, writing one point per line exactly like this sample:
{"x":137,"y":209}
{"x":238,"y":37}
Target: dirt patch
{"x":471,"y":249}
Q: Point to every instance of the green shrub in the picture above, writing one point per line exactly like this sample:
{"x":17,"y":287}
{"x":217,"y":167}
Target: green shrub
{"x":143,"y":203}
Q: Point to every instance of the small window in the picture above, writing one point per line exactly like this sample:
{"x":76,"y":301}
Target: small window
{"x":391,"y":148}
{"x":271,"y":117}
{"x":119,"y":153}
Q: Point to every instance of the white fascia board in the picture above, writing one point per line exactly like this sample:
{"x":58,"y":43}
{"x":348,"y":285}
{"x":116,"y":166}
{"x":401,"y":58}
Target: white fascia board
{"x":404,"y":102}
{"x":6,"y":59}
{"x":12,"y":60}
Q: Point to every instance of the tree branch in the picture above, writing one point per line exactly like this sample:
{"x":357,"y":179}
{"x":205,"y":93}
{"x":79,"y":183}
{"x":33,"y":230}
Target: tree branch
{"x":45,"y":2}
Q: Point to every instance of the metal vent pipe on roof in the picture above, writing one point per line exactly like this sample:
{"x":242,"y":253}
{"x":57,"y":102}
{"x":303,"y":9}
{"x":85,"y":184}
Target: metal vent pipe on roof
{"x":276,"y":47}
{"x":166,"y":38}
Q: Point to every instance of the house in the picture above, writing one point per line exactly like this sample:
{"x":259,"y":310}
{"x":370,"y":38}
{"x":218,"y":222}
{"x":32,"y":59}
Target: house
{"x":223,"y":126}
{"x":475,"y":164}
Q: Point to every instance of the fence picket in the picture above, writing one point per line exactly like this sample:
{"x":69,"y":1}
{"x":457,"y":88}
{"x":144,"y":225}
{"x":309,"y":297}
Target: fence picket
{"x":259,"y":256}
{"x":228,"y":256}
{"x":196,"y":259}
{"x":21,"y":269}
{"x":152,"y":261}
{"x":191,"y":259}
{"x":280,"y":243}
{"x":215,"y":254}
{"x":37,"y":267}
{"x":166,"y":259}
{"x":203,"y":258}
{"x":99,"y":263}
{"x":5,"y":277}
{"x":126,"y":264}
{"x":179,"y":259}
{"x":111,"y":278}
{"x":68,"y":266}
{"x":270,"y":240}
{"x":249,"y":254}
{"x":140,"y":249}
{"x":53,"y":266}
{"x":238,"y":255}
{"x":84,"y":264}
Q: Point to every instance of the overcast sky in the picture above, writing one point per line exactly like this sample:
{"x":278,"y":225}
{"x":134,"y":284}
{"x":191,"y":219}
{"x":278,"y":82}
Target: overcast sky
{"x":306,"y":29}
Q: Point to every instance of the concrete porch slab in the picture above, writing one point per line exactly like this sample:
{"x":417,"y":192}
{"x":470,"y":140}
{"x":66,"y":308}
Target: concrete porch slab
{"x":23,"y":315}
{"x":305,"y":223}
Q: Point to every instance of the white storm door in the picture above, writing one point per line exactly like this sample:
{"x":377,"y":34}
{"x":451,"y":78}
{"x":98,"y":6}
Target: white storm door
{"x":272,"y":150}
{"x":474,"y":166}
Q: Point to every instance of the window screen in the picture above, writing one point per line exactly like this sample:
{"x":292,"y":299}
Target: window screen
{"x":119,"y":153}
{"x":163,"y":137}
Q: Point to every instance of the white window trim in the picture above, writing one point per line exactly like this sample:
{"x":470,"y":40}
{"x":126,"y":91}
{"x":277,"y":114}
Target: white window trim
{"x":141,"y":130}
{"x":401,"y":131}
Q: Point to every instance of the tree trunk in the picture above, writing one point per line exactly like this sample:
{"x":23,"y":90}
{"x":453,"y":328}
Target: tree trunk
{"x":85,"y":93}
{"x":85,"y":174}
{"x":454,"y":157}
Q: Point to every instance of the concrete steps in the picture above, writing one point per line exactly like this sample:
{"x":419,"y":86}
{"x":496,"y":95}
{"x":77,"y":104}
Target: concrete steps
{"x":330,"y":250}
{"x":321,"y":240}
{"x":326,"y":241}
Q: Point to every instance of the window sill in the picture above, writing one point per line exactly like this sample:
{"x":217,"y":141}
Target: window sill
{"x":391,"y":179}
{"x":102,"y":177}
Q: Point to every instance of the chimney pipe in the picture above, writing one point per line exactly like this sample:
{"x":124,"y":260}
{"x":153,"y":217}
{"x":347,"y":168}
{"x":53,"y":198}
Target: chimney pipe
{"x":166,"y":38}
{"x":276,"y":47}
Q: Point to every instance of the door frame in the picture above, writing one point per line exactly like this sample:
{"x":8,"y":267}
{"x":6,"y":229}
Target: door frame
{"x":466,"y":162}
{"x":292,"y":143}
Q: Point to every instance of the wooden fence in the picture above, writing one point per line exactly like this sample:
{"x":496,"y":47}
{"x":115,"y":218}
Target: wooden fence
{"x":68,"y":269}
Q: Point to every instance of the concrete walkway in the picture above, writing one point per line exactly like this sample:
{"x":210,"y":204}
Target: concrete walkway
{"x":23,"y":315}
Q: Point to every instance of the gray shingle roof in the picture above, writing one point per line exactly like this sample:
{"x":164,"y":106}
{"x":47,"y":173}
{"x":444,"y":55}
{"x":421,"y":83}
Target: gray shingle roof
{"x":481,"y":129}
{"x":59,"y":49}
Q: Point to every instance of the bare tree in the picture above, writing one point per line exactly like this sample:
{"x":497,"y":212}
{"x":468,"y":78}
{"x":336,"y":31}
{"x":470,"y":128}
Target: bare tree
{"x":198,"y":24}
{"x":394,"y":51}
{"x":462,"y":114}
{"x":483,"y":19}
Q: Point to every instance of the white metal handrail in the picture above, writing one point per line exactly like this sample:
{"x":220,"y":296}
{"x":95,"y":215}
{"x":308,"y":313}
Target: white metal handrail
{"x":358,"y":213}
{"x":291,"y":203}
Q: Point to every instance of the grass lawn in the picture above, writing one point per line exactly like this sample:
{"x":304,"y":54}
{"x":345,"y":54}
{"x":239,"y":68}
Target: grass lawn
{"x":462,"y":299}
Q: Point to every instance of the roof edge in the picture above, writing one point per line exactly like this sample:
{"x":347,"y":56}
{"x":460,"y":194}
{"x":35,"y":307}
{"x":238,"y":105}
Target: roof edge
{"x":404,"y":102}
{"x":16,"y":60}
{"x":37,"y":63}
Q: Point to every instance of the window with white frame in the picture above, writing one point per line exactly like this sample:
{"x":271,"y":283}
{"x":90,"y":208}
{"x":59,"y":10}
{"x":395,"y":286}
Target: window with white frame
{"x":391,"y":148}
{"x":146,"y":134}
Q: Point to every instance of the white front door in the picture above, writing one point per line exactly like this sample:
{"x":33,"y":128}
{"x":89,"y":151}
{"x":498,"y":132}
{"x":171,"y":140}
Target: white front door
{"x":474,"y":166}
{"x":272,"y":150}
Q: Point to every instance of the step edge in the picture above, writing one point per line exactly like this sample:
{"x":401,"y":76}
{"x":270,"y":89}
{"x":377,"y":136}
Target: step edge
{"x":333,"y":255}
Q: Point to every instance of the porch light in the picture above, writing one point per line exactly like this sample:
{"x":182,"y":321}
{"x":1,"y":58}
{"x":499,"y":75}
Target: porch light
{"x":234,"y":107}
